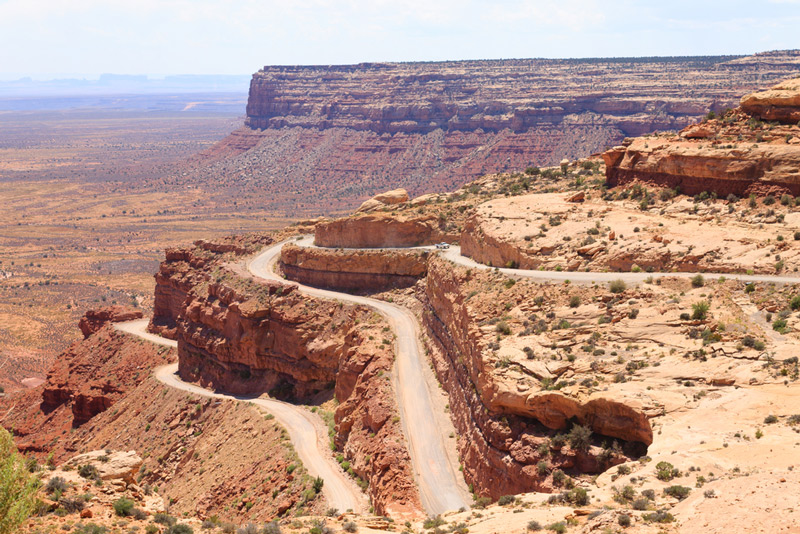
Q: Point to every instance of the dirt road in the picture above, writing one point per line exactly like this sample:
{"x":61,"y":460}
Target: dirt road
{"x":307,"y":431}
{"x":441,"y":486}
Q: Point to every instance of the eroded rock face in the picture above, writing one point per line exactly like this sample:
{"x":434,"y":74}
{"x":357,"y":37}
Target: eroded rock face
{"x":245,"y":335}
{"x":376,"y":230}
{"x":350,"y":270}
{"x":183,"y":269}
{"x":733,"y":155}
{"x":779,"y":103}
{"x":94,"y":320}
{"x":504,"y":430}
{"x":85,"y":380}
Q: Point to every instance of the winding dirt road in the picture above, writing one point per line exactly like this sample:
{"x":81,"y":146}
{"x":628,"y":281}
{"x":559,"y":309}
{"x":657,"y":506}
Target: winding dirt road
{"x":308,"y":433}
{"x":441,"y":486}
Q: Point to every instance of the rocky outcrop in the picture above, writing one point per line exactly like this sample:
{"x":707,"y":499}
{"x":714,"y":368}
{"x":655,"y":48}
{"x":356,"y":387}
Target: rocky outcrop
{"x":353,"y":270}
{"x":376,"y":230}
{"x":86,"y":380}
{"x":381,"y":200}
{"x":94,"y":320}
{"x":780,"y":103}
{"x":183,"y":269}
{"x":504,"y":431}
{"x":118,"y":465}
{"x":245,"y":335}
{"x":734,"y":155}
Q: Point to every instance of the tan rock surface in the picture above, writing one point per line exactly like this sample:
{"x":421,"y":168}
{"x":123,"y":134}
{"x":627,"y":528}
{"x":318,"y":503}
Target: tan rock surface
{"x":779,"y":103}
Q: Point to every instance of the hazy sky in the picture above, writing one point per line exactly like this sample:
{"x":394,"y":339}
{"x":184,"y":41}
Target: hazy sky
{"x":42,"y":38}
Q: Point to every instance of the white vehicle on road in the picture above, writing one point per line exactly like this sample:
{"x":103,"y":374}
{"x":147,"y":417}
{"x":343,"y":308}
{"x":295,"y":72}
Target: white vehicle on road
{"x":442,"y":246}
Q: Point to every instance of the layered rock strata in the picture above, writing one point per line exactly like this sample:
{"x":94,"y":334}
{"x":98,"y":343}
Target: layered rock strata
{"x":504,"y":431}
{"x":735,"y":154}
{"x":378,"y":230}
{"x":248,"y":336}
{"x":353,"y":270}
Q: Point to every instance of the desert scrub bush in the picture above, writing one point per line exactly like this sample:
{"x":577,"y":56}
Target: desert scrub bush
{"x":433,"y":522}
{"x":662,"y":516}
{"x":123,"y":507}
{"x":534,"y":526}
{"x":617,"y":286}
{"x":559,"y":477}
{"x":700,"y":310}
{"x":503,"y":328}
{"x":624,"y":520}
{"x":249,"y":528}
{"x":56,"y":484}
{"x":698,"y":281}
{"x":559,"y":528}
{"x":275,"y":528}
{"x":579,"y":437}
{"x":350,"y":526}
{"x":179,"y":529}
{"x":71,"y":504}
{"x":666,"y":471}
{"x":164,"y":519}
{"x":505,"y":499}
{"x":640,"y":504}
{"x":574,"y":301}
{"x":677,"y":491}
{"x":88,"y":471}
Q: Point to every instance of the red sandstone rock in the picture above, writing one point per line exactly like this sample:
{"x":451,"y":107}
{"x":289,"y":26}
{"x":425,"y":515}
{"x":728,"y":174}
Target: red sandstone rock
{"x":93,"y":320}
{"x":360,"y":269}
{"x":376,"y":230}
{"x":779,"y":103}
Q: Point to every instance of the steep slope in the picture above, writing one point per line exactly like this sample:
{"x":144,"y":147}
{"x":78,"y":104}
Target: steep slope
{"x":320,"y":139}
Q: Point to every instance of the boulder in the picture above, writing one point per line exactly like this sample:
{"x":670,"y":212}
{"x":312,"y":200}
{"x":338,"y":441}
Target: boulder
{"x":389,"y":198}
{"x":114,"y":465}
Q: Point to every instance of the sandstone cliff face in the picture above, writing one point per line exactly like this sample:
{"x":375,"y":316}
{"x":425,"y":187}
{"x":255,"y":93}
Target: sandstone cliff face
{"x":734,"y":155}
{"x":780,"y":103}
{"x":341,"y":134}
{"x":248,"y":336}
{"x":349,"y":270}
{"x":504,"y":430}
{"x":183,"y":269}
{"x":376,"y":230}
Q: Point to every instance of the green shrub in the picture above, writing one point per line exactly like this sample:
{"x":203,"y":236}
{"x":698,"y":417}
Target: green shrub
{"x":433,"y":522}
{"x":700,"y":310}
{"x":56,"y":484}
{"x":666,"y":471}
{"x":624,"y":520}
{"x":559,"y":527}
{"x":123,"y":507}
{"x":88,"y":471}
{"x":505,"y":499}
{"x":350,"y":526}
{"x":503,"y":328}
{"x":677,"y":491}
{"x":661,"y":516}
{"x":617,"y":286}
{"x":534,"y":526}
{"x":698,"y":281}
{"x":579,"y":437}
{"x":574,"y":301}
{"x":179,"y":529}
{"x":164,"y":519}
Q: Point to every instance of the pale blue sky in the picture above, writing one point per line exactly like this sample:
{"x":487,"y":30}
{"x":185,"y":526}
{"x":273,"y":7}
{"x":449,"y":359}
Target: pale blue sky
{"x":45,"y":38}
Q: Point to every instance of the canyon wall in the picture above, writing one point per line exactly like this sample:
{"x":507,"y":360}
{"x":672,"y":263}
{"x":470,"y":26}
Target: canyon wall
{"x":249,"y":336}
{"x":736,"y":153}
{"x":322,"y":139}
{"x":505,"y":432}
{"x":352,"y":270}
